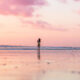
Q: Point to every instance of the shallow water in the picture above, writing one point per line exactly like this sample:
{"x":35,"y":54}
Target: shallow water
{"x":54,"y":65}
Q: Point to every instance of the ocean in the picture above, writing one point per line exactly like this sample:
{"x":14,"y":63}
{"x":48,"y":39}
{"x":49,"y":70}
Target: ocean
{"x":53,"y":65}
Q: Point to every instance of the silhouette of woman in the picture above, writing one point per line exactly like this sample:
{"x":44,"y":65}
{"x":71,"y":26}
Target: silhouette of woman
{"x":39,"y":41}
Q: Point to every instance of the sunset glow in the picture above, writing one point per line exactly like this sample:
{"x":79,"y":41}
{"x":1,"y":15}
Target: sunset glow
{"x":56,"y":22}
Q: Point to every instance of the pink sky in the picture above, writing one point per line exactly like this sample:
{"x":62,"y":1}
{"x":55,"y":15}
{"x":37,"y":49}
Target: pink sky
{"x":56,"y":22}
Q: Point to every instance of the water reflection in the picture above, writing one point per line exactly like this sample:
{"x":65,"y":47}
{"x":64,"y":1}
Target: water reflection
{"x":38,"y":54}
{"x":16,"y":65}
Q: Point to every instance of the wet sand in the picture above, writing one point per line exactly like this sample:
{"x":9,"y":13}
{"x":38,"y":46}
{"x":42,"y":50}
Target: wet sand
{"x":54,"y":65}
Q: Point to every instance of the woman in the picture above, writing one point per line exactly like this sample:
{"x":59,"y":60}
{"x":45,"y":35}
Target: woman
{"x":39,"y":41}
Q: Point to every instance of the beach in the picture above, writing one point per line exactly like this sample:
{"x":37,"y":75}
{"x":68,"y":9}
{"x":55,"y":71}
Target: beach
{"x":53,"y":65}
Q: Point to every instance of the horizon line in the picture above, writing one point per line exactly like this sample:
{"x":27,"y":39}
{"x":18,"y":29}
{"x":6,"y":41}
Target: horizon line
{"x":33,"y":46}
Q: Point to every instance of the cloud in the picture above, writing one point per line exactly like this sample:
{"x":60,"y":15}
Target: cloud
{"x":43,"y":24}
{"x":76,"y":0}
{"x":40,"y":24}
{"x":37,"y":24}
{"x":63,"y":1}
{"x":28,"y":2}
{"x":74,"y":5}
{"x":20,"y":7}
{"x":46,"y":25}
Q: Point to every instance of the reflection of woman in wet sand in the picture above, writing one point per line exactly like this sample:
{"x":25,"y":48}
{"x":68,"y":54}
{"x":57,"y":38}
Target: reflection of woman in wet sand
{"x":39,"y":41}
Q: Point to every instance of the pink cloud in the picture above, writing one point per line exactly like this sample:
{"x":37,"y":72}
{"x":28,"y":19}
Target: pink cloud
{"x":28,"y":2}
{"x":46,"y":25}
{"x":20,"y":7}
{"x":65,"y":1}
{"x":76,"y":0}
{"x":40,"y":24}
{"x":37,"y":24}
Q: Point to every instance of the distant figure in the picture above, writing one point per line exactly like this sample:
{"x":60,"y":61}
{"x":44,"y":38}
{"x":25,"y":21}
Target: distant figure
{"x":39,"y":41}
